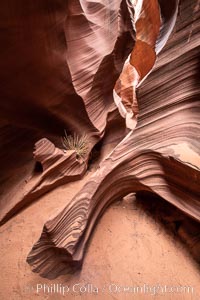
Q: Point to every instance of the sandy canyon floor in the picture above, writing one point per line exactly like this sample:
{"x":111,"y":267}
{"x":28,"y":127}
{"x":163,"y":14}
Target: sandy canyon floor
{"x":129,"y":248}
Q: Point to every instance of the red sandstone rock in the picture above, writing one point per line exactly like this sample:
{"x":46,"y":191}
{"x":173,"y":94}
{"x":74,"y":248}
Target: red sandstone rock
{"x":160,"y":156}
{"x":59,"y":66}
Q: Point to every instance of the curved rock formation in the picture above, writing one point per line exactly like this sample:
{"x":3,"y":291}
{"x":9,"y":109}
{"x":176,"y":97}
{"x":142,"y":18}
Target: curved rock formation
{"x":160,"y":156}
{"x":152,"y":23}
{"x":67,"y":84}
{"x":84,"y":83}
{"x":78,"y":65}
{"x":59,"y":166}
{"x":54,"y":60}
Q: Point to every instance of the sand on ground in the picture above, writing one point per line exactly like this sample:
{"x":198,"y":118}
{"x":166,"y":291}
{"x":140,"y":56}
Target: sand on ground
{"x":129,"y":255}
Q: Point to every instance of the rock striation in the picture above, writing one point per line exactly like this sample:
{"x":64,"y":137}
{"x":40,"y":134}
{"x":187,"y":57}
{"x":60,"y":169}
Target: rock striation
{"x":84,"y":67}
{"x":161,"y":156}
{"x":55,"y":58}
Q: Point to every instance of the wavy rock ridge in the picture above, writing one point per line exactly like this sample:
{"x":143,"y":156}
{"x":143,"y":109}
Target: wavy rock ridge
{"x":160,"y":156}
{"x":61,"y":52}
{"x":90,"y":92}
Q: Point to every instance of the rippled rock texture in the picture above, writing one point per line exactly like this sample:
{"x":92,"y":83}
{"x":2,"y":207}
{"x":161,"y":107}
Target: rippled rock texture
{"x":60,"y":61}
{"x":84,"y":67}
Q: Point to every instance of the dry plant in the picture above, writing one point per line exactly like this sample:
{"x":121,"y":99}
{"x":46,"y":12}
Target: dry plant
{"x":77,"y":143}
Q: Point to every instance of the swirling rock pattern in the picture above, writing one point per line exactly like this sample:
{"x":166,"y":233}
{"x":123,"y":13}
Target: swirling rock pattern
{"x":152,"y":23}
{"x":54,"y":61}
{"x":67,"y":83}
{"x":160,"y":156}
{"x":59,"y":166}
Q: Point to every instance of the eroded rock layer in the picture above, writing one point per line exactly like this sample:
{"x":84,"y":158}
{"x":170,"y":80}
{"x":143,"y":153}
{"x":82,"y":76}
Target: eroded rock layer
{"x":160,"y":156}
{"x":77,"y":99}
{"x":59,"y":63}
{"x":58,"y":167}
